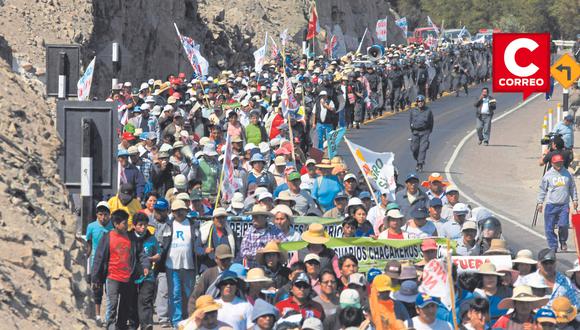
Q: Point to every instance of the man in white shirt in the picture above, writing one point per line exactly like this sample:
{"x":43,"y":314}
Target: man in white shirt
{"x":485,"y":106}
{"x":427,"y":311}
{"x":235,"y":311}
{"x":309,"y":177}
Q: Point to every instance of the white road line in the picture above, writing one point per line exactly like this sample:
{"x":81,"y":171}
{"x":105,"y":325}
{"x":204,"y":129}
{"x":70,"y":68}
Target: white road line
{"x":456,"y":153}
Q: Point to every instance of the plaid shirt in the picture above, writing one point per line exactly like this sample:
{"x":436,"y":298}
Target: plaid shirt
{"x":256,"y":239}
{"x":146,"y":167}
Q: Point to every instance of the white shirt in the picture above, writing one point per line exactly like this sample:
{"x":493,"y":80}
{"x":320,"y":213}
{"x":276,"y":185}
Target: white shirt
{"x":437,"y":325}
{"x":181,"y":250}
{"x":307,"y":181}
{"x":238,"y":313}
{"x":376,"y":216}
{"x":485,"y":106}
{"x":426,"y":231}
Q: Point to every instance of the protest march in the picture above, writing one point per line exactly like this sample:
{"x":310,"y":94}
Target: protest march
{"x":235,"y":208}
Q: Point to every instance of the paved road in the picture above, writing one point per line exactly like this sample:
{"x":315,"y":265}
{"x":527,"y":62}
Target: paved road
{"x":454,"y":119}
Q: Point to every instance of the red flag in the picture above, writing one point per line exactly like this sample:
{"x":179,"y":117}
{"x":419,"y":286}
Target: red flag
{"x":313,"y":27}
{"x":276,"y":122}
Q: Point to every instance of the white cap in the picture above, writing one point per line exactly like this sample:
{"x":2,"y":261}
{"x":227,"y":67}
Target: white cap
{"x":323,"y":93}
{"x":127,"y":84}
{"x":264,"y":147}
{"x":145,"y":106}
{"x":249,"y":146}
{"x":167,"y":108}
{"x":311,"y":256}
{"x":265,"y":195}
{"x":144,"y":86}
{"x":354,"y":201}
{"x":451,"y":188}
{"x":312,"y":323}
{"x":350,"y":176}
{"x":150,"y":98}
{"x":460,"y":208}
{"x":260,"y":190}
{"x":469,"y":225}
{"x":238,"y":200}
{"x":104,"y":204}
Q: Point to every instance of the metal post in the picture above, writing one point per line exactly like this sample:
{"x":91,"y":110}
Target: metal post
{"x":305,"y":44}
{"x":566,"y":93}
{"x":62,"y":76}
{"x":550,"y":119}
{"x":116,"y":65}
{"x":86,"y":175}
{"x":544,"y":133}
{"x":559,"y":113}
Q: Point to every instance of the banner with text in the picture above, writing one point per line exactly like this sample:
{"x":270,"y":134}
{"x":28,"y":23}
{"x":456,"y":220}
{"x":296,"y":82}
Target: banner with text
{"x":334,"y":138}
{"x":381,"y":29}
{"x":470,"y":264}
{"x":435,"y":281}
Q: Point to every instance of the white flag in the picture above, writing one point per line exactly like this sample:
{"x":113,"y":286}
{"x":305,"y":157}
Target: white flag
{"x":377,"y":167}
{"x":260,"y":56}
{"x":381,"y":29}
{"x":84,"y":84}
{"x":435,"y":281}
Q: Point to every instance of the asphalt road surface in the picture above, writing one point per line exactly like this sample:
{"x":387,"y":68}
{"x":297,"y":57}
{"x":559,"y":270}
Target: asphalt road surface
{"x":454,"y":119}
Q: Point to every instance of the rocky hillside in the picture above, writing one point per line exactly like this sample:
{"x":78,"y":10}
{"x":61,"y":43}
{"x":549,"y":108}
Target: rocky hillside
{"x":42,"y":281}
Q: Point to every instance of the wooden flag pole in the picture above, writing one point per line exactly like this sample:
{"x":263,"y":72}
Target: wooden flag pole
{"x":451,"y":286}
{"x":217,"y":198}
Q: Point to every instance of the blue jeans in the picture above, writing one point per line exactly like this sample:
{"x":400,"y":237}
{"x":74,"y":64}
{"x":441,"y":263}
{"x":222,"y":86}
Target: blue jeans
{"x":342,"y":118}
{"x":321,"y":131}
{"x":179,"y":287}
{"x":556,"y":215}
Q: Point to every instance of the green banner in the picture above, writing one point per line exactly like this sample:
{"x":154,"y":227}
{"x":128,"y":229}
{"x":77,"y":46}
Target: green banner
{"x":332,"y":225}
{"x":227,"y":106}
{"x":375,"y":252}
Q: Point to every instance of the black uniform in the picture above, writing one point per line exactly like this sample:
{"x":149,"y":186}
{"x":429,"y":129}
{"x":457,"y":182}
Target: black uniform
{"x":421,"y":123}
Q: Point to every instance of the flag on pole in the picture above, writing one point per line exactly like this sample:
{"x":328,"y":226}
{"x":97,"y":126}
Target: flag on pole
{"x":313,"y":26}
{"x":330,"y":47}
{"x":229,"y":184}
{"x":402,"y":24}
{"x":284,"y":37}
{"x":461,"y":33}
{"x":274,"y":51}
{"x":199,"y":63}
{"x":289,"y":103}
{"x":377,"y":167}
{"x":430,"y":22}
{"x":84,"y":84}
{"x":381,"y":29}
{"x":435,"y":282}
{"x":334,"y":138}
{"x":260,"y":56}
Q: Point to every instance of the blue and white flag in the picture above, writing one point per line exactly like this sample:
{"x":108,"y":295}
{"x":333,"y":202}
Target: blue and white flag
{"x":402,"y":24}
{"x":334,"y":138}
{"x":84,"y":84}
{"x":199,"y":63}
{"x":430,"y":22}
{"x":461,"y":33}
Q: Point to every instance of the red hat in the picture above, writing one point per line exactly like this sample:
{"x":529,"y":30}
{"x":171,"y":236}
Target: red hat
{"x":557,"y":158}
{"x":128,"y":136}
{"x":176,"y":95}
{"x":428,"y":245}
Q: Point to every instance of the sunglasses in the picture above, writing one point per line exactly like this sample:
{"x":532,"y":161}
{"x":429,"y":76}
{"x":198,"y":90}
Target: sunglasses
{"x":302,"y":286}
{"x":231,"y":283}
{"x":548,"y":262}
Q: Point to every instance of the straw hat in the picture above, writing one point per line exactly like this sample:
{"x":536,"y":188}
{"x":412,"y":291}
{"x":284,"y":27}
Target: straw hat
{"x":315,"y":234}
{"x":260,"y":210}
{"x":257,"y":275}
{"x":487,"y":268}
{"x":325,"y":163}
{"x":205,"y":304}
{"x":271,"y":247}
{"x":523,"y":293}
{"x":564,"y":310}
{"x":525,"y":257}
{"x":498,"y":246}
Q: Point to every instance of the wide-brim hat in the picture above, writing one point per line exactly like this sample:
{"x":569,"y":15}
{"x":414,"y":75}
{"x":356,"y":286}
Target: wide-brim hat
{"x":315,"y":234}
{"x":325,"y":163}
{"x":271,"y":247}
{"x":256,"y":275}
{"x":435,"y":177}
{"x":205,"y":304}
{"x":523,"y":293}
{"x":525,"y":257}
{"x":564,"y":310}
{"x":260,"y":210}
{"x":497,"y":246}
{"x":488,"y":268}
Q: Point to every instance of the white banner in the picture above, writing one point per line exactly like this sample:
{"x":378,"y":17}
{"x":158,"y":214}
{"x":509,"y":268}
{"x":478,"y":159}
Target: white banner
{"x":260,"y":56}
{"x":377,"y":167}
{"x":381,"y":29}
{"x":84,"y":84}
{"x":470,"y":264}
{"x":435,"y":282}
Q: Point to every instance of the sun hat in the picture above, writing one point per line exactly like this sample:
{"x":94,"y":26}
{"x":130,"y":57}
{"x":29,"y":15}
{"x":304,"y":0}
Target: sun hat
{"x":423,"y":300}
{"x":219,"y":212}
{"x":349,"y":298}
{"x":205,"y":304}
{"x":497,"y":247}
{"x":564,"y":310}
{"x":238,"y":200}
{"x":408,"y":272}
{"x":407,"y":293}
{"x":383,"y":283}
{"x":315,"y":234}
{"x":223,"y":251}
{"x":487,"y":268}
{"x":434,"y":177}
{"x":545,"y":315}
{"x":395,"y":214}
{"x":283,"y":209}
{"x":522,"y":293}
{"x":257,"y":157}
{"x":180,"y":182}
{"x":311,"y":257}
{"x":209,"y":150}
{"x":178,"y":204}
{"x":469,"y":225}
{"x":264,"y":147}
{"x":263,"y":308}
{"x":257,"y":275}
{"x":271,"y":247}
{"x":325,"y":163}
{"x":260,"y":210}
{"x":536,"y":282}
{"x":525,"y":256}
{"x":280,"y":161}
{"x":183,"y":196}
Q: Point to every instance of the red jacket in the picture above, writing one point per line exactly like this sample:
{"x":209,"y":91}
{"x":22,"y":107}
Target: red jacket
{"x":309,"y":309}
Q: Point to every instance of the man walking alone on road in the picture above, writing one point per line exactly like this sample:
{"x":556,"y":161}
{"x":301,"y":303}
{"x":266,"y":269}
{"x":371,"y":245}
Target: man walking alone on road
{"x":485,"y":107}
{"x":557,"y":188}
{"x":421,"y":126}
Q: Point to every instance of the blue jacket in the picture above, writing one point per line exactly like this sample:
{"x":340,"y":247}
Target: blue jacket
{"x":135,"y":177}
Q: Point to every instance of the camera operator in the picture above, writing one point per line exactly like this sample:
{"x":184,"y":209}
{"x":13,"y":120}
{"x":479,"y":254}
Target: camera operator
{"x":557,"y":148}
{"x":565,"y":128}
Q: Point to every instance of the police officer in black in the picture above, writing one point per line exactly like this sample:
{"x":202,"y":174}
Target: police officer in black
{"x":374,"y":81}
{"x":396,"y":80}
{"x":421,"y":122}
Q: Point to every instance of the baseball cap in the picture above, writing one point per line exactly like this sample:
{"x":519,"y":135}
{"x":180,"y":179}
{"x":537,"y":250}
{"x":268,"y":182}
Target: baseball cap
{"x":435,"y":202}
{"x":395,"y":214}
{"x":223,"y":251}
{"x":451,"y":188}
{"x":364,"y":194}
{"x":569,"y":118}
{"x":122,"y":153}
{"x":393,"y":206}
{"x":103,"y":204}
{"x":545,"y":315}
{"x":467,"y":225}
{"x":429,"y":245}
{"x":311,"y":257}
{"x":294,"y":176}
{"x":265,"y":195}
{"x":161,"y":204}
{"x":302,"y":277}
{"x":340,"y":195}
{"x":178,"y":204}
{"x":357,"y":278}
{"x":349,"y":176}
{"x":460,"y":208}
{"x":383,"y":283}
{"x":310,"y":161}
{"x":419,"y":211}
{"x":546,"y":254}
{"x":312,"y":323}
{"x":411,"y":176}
{"x":349,"y":298}
{"x":557,"y":158}
{"x":424,"y":299}
{"x":393,"y":269}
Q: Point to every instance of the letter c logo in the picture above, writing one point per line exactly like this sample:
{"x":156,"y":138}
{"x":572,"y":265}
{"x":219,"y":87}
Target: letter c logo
{"x":509,"y":57}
